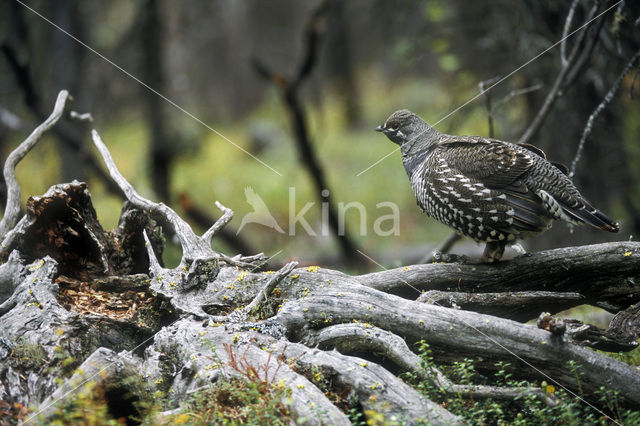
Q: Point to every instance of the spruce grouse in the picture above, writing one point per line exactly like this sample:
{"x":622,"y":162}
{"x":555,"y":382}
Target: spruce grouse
{"x":489,"y":190}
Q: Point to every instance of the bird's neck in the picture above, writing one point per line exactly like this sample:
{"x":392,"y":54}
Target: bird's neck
{"x":419,"y":145}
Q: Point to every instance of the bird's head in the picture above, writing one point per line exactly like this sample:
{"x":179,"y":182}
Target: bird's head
{"x":402,"y":126}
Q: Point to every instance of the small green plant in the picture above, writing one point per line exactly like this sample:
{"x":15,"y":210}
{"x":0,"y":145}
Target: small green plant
{"x":236,"y":402}
{"x":27,"y":355}
{"x":251,"y":398}
{"x":631,"y":357}
{"x":88,"y":406}
{"x":523,"y":410}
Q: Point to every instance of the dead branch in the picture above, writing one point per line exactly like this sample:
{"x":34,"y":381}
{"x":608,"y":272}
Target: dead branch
{"x":567,"y":26}
{"x":269,"y":286}
{"x":487,"y":96}
{"x":193,"y":247}
{"x":517,"y":305}
{"x":567,"y":65}
{"x":289,"y":90}
{"x":365,"y":338}
{"x":454,"y":334}
{"x":219,"y":224}
{"x":621,"y":335}
{"x":603,"y":273}
{"x":12,"y":208}
{"x":204,"y":219}
{"x":601,"y":107}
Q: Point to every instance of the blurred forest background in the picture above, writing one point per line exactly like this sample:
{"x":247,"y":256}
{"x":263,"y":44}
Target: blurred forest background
{"x":301,"y":85}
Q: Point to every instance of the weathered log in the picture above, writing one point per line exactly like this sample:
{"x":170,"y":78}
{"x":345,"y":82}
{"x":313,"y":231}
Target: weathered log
{"x":515,"y":305}
{"x":605,"y":274}
{"x":365,"y":338}
{"x":621,"y":335}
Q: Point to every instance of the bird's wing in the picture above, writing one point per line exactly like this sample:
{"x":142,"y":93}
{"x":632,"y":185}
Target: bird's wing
{"x":498,"y":167}
{"x":494,"y":163}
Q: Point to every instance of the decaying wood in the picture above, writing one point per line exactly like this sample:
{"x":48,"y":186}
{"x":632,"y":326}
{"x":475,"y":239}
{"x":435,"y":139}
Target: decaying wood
{"x":515,"y":305}
{"x":106,"y":301}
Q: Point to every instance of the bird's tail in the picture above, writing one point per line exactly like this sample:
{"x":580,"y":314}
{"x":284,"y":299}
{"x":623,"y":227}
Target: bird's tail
{"x":594,"y":217}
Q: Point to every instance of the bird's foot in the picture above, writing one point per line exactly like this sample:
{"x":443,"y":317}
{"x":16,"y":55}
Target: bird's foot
{"x":493,"y":252}
{"x":520,"y":251}
{"x":439,"y":257}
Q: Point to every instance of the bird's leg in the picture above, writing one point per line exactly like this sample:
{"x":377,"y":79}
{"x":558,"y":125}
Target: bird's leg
{"x":493,"y":251}
{"x":517,"y":247}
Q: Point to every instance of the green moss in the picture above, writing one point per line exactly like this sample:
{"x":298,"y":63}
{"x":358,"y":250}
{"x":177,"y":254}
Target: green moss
{"x":27,"y":356}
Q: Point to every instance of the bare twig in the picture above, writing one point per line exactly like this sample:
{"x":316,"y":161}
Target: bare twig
{"x":518,"y":92}
{"x":81,"y":116}
{"x":193,"y":246}
{"x":567,"y":27}
{"x":72,"y":139}
{"x":559,"y":84}
{"x":204,"y":219}
{"x":12,"y":208}
{"x":219,"y":224}
{"x":487,"y":95}
{"x":594,"y":115}
{"x":270,"y":285}
{"x":584,"y":56}
{"x":289,"y":91}
{"x":154,"y":265}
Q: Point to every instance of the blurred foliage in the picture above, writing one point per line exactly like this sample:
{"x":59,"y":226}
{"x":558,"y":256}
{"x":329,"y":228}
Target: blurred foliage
{"x":425,"y":55}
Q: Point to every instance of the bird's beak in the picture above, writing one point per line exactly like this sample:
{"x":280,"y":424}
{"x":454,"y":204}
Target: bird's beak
{"x":380,"y":128}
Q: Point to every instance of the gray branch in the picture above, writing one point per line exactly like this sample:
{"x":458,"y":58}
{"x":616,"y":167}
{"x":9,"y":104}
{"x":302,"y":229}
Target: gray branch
{"x":219,"y":224}
{"x":12,"y":208}
{"x":269,"y":286}
{"x":605,"y":274}
{"x":364,"y":338}
{"x":601,"y":107}
{"x":453,"y":334}
{"x":560,"y":83}
{"x":515,"y":305}
{"x":193,"y":247}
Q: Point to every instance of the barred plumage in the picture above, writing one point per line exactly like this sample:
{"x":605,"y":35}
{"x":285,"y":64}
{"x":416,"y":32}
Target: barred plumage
{"x":489,"y":190}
